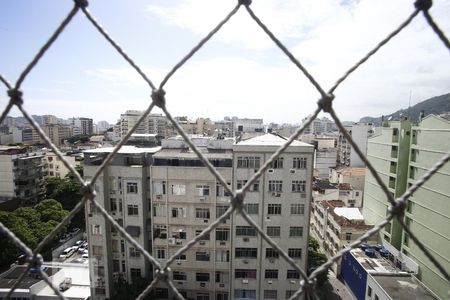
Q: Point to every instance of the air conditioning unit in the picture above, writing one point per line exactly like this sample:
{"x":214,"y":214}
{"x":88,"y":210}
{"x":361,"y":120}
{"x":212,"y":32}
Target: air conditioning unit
{"x":178,"y":262}
{"x":292,"y":171}
{"x":271,"y":260}
{"x":90,"y":215}
{"x":269,"y":281}
{"x":269,"y":170}
{"x":202,"y":199}
{"x":158,"y":197}
{"x":246,"y":239}
{"x":201,"y":242}
{"x":245,"y":261}
{"x":222,"y":285}
{"x":202,"y":284}
{"x":275,"y":194}
{"x":113,"y":213}
{"x":205,"y":221}
{"x":172,"y":241}
{"x":245,"y":281}
{"x":180,"y":282}
{"x":292,"y":281}
{"x":223,"y":243}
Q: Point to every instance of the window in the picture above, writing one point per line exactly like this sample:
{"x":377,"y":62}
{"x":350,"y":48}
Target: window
{"x":271,"y":253}
{"x":135,"y":273}
{"x":97,"y":250}
{"x":160,"y":232}
{"x":296,"y":231}
{"x":244,"y":294}
{"x":248,"y":162}
{"x":222,"y":234}
{"x":178,"y":212}
{"x":181,"y":257}
{"x":159,"y":210}
{"x":159,"y":188}
{"x":202,"y":213}
{"x":240,"y":184}
{"x":96,"y":230}
{"x":297,"y":209}
{"x":221,"y":296}
{"x":220,"y":190}
{"x":406,"y":239}
{"x":252,"y":208}
{"x":202,"y":256}
{"x":298,"y":186}
{"x":254,"y":188}
{"x":245,"y":273}
{"x":133,"y":210}
{"x":276,"y":163}
{"x":134,"y":252}
{"x":132,"y":187}
{"x":178,"y":189}
{"x":245,"y":231}
{"x":295,"y":253}
{"x":222,"y":277}
{"x":348,"y":236}
{"x":274,"y":209}
{"x":202,"y":277}
{"x":292,"y":274}
{"x":270,"y":294}
{"x":246,"y":252}
{"x":116,"y":265}
{"x":202,"y":296}
{"x":273,"y":231}
{"x":205,"y":237}
{"x":275,"y":186}
{"x":161,"y":253}
{"x":122,"y":246}
{"x":202,"y":190}
{"x":271,"y":274}
{"x":178,"y":275}
{"x":299,"y":163}
{"x":369,"y":292}
{"x":220,"y":210}
{"x":113,"y":203}
{"x":222,"y":255}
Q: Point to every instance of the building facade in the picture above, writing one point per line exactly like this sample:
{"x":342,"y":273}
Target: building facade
{"x":401,"y":154}
{"x":347,"y":156}
{"x":152,"y":124}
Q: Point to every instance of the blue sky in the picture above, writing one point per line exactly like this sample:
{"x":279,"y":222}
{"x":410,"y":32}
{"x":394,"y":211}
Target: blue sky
{"x":239,"y":72}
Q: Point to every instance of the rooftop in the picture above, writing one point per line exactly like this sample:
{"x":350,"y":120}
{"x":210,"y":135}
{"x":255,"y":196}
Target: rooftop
{"x":350,"y":213}
{"x":270,"y":139}
{"x":352,"y":171}
{"x":10,"y":277}
{"x":403,"y":287}
{"x":124,"y":150}
{"x":189,"y":154}
{"x":324,"y":185}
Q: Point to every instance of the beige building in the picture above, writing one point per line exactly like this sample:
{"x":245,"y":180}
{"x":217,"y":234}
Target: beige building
{"x":153,"y":123}
{"x":352,"y":175}
{"x":55,"y":167}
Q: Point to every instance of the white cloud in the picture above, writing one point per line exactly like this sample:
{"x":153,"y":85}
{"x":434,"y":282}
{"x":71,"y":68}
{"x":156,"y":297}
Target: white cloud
{"x":326,"y":36}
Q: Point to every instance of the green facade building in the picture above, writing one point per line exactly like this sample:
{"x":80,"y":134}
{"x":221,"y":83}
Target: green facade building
{"x":401,"y":154}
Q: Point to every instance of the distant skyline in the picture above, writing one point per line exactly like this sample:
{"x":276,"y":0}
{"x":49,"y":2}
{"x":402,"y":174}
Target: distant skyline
{"x":239,"y":72}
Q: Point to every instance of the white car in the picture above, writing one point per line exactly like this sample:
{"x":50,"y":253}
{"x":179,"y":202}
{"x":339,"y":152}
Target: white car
{"x":67,"y":253}
{"x":85,"y":255}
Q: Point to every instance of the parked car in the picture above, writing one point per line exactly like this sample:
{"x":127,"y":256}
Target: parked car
{"x":75,"y":230}
{"x":82,"y":248}
{"x":79,"y":243}
{"x":64,"y":238}
{"x":67,"y":253}
{"x":85,"y":255}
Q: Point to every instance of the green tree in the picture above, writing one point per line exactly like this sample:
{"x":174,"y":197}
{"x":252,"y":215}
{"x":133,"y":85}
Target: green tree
{"x":315,"y":260}
{"x":50,"y":209}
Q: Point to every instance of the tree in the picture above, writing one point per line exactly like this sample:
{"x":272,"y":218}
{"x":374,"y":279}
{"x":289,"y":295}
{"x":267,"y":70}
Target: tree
{"x":315,"y":260}
{"x":50,"y":209}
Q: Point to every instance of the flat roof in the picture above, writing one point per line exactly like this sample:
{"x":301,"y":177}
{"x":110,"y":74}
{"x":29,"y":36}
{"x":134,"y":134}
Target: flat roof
{"x":351,"y":213}
{"x":377,"y":264}
{"x":189,"y":154}
{"x":126,"y":149}
{"x":403,"y":287}
{"x":270,"y":139}
{"x":10,"y":277}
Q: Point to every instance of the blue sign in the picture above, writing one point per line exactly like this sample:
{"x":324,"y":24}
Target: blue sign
{"x":354,"y":275}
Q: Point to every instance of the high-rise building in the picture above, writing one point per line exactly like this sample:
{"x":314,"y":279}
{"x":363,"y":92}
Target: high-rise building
{"x":401,"y":154}
{"x":49,"y":119}
{"x":82,"y":126}
{"x":21,"y":175}
{"x":153,"y":123}
{"x":184,"y":198}
{"x":347,"y":156}
{"x":320,"y":126}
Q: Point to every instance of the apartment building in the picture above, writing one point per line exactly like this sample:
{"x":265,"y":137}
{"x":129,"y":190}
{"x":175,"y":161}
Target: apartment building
{"x":401,"y":154}
{"x":54,"y":166}
{"x":359,"y":132}
{"x":279,"y":202}
{"x":186,"y":198}
{"x":351,"y":175}
{"x":336,"y":225}
{"x":21,"y":175}
{"x":319,"y":126}
{"x":123,"y":189}
{"x":83,"y":126}
{"x":153,"y":123}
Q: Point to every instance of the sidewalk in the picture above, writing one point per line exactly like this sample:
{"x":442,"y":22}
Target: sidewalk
{"x":335,"y":289}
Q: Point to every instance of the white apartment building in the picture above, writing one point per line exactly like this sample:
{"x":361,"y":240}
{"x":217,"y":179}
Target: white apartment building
{"x":123,"y":189}
{"x":359,"y":132}
{"x":55,"y":167}
{"x":82,"y":126}
{"x":232,"y":262}
{"x":186,"y":198}
{"x":247,"y":125}
{"x":320,"y":126}
{"x":153,"y":123}
{"x":280,"y":203}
